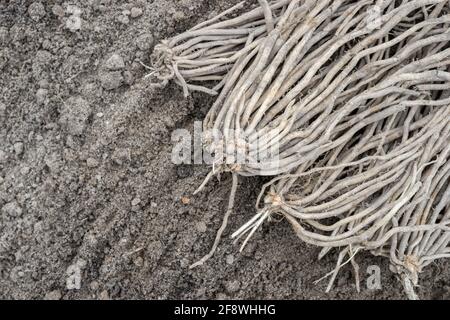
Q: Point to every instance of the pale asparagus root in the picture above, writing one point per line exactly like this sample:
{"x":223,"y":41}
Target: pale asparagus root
{"x":223,"y":226}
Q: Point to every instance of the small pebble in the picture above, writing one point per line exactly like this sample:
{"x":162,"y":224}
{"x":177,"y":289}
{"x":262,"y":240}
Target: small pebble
{"x":53,"y":295}
{"x":115,"y":62}
{"x":221,"y":296}
{"x":43,"y":57}
{"x":74,"y":115}
{"x":178,"y":16}
{"x":184,"y":263}
{"x":123,"y":19}
{"x":12,"y":209}
{"x":135,"y":202}
{"x":104,"y":295}
{"x":73,"y":23}
{"x":185,"y":200}
{"x":233,"y":286}
{"x":136,"y":12}
{"x":91,"y":162}
{"x":43,"y":84}
{"x":94,"y":285}
{"x":74,"y":10}
{"x":58,"y":10}
{"x":41,"y":96}
{"x":36,"y":11}
{"x":139,"y":261}
{"x":111,"y":80}
{"x":25,"y":170}
{"x":145,"y":41}
{"x":230,"y":259}
{"x":201,"y":227}
{"x":120,"y":156}
{"x":18,"y":148}
{"x":53,"y":162}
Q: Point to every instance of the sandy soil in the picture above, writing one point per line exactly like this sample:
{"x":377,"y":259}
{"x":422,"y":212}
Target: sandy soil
{"x":90,"y":203}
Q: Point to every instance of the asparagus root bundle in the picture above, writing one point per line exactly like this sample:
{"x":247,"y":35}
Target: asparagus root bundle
{"x":346,"y":105}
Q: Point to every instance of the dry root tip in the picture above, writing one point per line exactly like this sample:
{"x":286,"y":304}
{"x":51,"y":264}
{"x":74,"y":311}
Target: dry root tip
{"x":224,"y":223}
{"x":273,"y":199}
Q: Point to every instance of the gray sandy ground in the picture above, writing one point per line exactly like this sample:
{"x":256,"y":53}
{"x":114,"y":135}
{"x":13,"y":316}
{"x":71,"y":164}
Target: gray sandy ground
{"x":87,"y":188}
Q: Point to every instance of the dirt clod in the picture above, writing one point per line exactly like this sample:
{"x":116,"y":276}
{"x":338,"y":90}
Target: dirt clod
{"x":145,"y":41}
{"x":201,"y":227}
{"x":74,"y":115}
{"x":232,"y":286}
{"x":135,"y":202}
{"x":91,"y":162}
{"x":41,"y":96}
{"x":12,"y":209}
{"x":115,"y":62}
{"x":58,"y":11}
{"x":18,"y":148}
{"x":230,"y":259}
{"x":53,"y":295}
{"x":136,"y":12}
{"x":36,"y":11}
{"x":111,"y":80}
{"x":73,"y":23}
